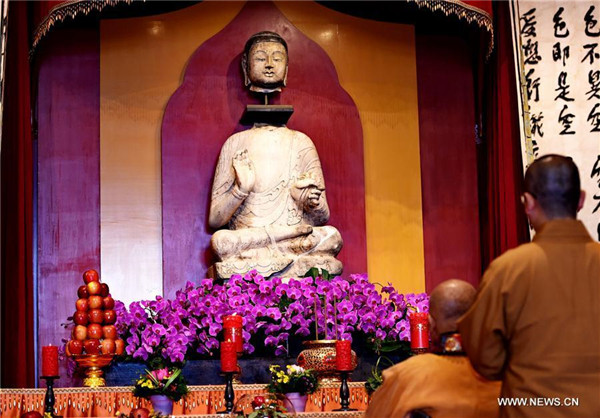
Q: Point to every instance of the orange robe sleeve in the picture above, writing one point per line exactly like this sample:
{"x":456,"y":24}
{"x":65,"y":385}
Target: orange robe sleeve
{"x":483,"y":328}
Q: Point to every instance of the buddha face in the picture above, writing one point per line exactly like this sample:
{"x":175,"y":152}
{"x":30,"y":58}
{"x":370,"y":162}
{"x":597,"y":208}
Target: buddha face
{"x":267,"y":66}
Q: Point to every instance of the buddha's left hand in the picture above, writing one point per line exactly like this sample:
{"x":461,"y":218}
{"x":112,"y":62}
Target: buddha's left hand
{"x":307,"y":190}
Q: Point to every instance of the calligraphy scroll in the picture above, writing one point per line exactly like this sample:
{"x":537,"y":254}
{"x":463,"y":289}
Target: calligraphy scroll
{"x":558,"y":63}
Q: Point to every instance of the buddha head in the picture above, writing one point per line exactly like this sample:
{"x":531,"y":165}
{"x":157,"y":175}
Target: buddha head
{"x":265,"y":62}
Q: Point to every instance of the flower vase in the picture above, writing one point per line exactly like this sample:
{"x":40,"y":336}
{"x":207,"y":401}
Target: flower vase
{"x":294,"y":402}
{"x":162,"y":404}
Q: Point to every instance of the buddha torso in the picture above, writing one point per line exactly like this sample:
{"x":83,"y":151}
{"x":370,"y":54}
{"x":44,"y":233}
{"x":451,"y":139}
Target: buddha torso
{"x":279,"y":156}
{"x":268,"y":194}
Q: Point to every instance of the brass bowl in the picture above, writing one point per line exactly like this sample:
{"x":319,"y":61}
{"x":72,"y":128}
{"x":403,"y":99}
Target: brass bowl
{"x":93,"y":364}
{"x":319,"y":355}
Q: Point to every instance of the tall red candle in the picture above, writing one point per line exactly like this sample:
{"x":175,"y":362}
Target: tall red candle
{"x":343,"y":356}
{"x":419,"y":330}
{"x":232,"y":331}
{"x":228,"y":357}
{"x":232,"y":321}
{"x":50,"y":360}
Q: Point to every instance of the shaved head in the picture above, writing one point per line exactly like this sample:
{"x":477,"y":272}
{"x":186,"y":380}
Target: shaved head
{"x":449,"y":301}
{"x":554,"y":181}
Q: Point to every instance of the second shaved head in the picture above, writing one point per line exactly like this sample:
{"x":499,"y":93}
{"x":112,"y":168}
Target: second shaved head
{"x":449,"y":301}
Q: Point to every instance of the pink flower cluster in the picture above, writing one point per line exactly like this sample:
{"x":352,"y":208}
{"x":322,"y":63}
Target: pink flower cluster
{"x":161,"y":374}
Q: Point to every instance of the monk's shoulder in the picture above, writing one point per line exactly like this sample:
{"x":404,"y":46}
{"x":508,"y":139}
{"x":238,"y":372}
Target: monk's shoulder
{"x":415,"y":365}
{"x":517,"y":261}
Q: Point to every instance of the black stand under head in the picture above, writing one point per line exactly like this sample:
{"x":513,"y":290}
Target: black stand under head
{"x":276,"y":115}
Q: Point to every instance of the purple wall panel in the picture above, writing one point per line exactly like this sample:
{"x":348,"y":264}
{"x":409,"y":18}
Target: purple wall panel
{"x":205,"y":111}
{"x":68,"y":164}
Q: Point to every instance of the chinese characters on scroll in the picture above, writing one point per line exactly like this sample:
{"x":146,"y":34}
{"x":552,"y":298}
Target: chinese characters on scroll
{"x":558,"y":57}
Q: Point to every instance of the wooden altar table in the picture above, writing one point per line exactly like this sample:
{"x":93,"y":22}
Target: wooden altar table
{"x":107,"y":401}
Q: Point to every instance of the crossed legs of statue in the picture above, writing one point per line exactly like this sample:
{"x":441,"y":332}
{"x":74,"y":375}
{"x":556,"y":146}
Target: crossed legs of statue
{"x":287,"y":251}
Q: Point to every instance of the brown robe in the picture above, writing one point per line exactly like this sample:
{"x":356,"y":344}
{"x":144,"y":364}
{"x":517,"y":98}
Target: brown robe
{"x":536,"y":323}
{"x":439,"y":385}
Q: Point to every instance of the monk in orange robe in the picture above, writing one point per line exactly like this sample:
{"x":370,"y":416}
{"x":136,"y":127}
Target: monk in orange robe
{"x":443,"y":385}
{"x":535,"y":322}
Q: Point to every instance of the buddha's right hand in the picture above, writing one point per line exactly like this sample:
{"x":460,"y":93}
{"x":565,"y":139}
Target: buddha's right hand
{"x":244,"y":171}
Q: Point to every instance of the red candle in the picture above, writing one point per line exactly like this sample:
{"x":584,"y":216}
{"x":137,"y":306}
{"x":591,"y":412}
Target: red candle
{"x":228,"y":357}
{"x":50,"y":360}
{"x":232,"y":321}
{"x":232,"y":331}
{"x":343,"y":356}
{"x":419,"y":330}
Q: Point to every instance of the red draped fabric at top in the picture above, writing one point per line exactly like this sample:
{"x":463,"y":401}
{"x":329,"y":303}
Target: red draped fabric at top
{"x":43,"y":9}
{"x":17,"y":209}
{"x":47,"y":13}
{"x":483,"y":5}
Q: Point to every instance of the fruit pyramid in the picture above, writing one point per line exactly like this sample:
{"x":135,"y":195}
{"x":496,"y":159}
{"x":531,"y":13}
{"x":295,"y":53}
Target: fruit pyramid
{"x":94,"y":331}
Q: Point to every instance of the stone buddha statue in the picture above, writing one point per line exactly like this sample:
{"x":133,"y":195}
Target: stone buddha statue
{"x":268,"y":188}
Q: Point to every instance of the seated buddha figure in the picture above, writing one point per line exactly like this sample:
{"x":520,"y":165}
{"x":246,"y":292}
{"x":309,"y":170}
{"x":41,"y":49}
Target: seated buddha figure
{"x":268,"y":195}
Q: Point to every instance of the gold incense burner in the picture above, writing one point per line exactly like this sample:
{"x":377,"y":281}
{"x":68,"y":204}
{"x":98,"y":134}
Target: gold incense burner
{"x":319,"y":355}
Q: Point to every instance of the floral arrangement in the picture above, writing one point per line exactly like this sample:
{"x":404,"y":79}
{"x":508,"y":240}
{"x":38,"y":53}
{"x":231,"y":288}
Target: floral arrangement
{"x":191,"y":322}
{"x":167,"y":381}
{"x":293,"y":379}
{"x":376,"y":378}
{"x":266,"y":407}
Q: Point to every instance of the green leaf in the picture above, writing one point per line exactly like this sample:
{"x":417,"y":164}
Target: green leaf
{"x":390,"y":347}
{"x":315,"y":272}
{"x":173,"y":377}
{"x":151,"y":377}
{"x":312,"y":272}
{"x":284,"y":303}
{"x":389,"y":362}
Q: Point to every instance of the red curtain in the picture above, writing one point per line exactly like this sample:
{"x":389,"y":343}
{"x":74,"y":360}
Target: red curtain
{"x":448,"y":158}
{"x":17,"y":208}
{"x":503,"y":221}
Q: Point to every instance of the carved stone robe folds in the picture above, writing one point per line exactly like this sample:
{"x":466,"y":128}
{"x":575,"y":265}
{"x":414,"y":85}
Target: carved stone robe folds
{"x":536,"y":323}
{"x":274,"y":230}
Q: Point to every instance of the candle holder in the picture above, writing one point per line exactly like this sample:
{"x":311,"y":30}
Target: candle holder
{"x":49,"y":399}
{"x":344,"y":392}
{"x":229,"y":394}
{"x":93,"y":364}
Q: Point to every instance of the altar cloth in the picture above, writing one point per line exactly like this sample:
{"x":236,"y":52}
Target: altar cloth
{"x":107,"y":401}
